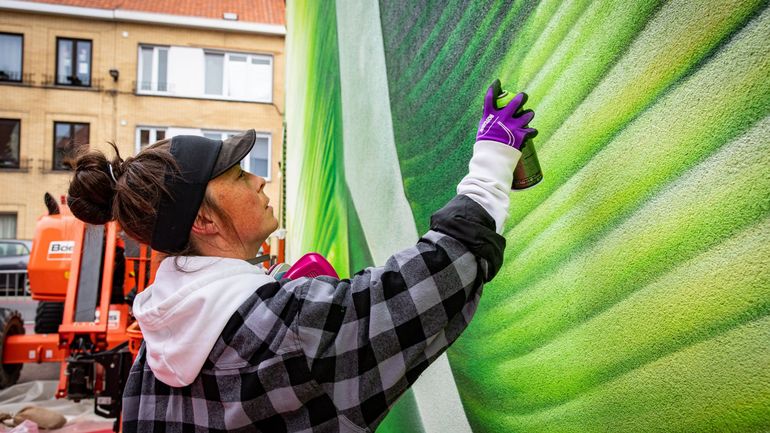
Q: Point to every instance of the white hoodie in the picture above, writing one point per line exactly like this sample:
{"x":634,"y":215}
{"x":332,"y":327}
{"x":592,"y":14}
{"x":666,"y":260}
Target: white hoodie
{"x":183,"y":312}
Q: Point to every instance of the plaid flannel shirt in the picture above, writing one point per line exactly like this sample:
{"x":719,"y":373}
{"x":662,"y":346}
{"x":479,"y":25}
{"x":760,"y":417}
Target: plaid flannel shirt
{"x":328,"y":355}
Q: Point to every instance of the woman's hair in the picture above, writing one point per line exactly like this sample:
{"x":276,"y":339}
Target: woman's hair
{"x":128,"y":191}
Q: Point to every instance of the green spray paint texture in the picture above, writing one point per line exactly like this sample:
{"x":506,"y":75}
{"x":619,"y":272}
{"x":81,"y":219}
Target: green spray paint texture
{"x":635,"y":293}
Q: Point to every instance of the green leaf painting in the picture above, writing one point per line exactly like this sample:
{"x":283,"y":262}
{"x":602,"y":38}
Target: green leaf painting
{"x":635,"y":293}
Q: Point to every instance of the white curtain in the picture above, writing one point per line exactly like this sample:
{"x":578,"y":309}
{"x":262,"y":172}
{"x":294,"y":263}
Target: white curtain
{"x":186,"y":71}
{"x":10,"y":56}
{"x":7,"y":226}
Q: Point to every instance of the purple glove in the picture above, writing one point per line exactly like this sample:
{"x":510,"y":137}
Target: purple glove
{"x":500,"y":125}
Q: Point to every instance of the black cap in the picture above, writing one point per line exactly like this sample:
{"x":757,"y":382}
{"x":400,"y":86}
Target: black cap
{"x":199,"y":159}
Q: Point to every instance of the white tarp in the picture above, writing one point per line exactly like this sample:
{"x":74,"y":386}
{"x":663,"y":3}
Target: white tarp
{"x":41,"y":393}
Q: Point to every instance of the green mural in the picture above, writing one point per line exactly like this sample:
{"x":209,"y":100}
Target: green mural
{"x":635,"y":294}
{"x":328,"y":221}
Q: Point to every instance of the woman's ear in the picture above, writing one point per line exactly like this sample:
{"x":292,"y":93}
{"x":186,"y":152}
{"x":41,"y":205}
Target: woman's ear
{"x":204,"y":224}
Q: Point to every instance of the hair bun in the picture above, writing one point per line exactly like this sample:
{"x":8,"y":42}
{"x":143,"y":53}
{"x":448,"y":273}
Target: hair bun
{"x":92,"y":190}
{"x":129,"y":193}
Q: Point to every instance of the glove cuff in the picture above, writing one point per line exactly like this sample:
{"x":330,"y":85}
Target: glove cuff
{"x":489,"y":178}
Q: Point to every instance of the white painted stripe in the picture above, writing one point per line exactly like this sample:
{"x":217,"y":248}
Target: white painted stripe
{"x":507,"y":131}
{"x":371,"y":163}
{"x":374,"y":178}
{"x":143,"y":17}
{"x":438,"y":400}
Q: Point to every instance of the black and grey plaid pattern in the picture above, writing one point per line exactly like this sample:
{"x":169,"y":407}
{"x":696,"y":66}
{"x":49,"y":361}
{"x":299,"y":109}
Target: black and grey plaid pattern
{"x":328,"y":355}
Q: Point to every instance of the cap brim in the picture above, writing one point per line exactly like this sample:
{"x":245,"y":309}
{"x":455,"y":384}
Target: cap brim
{"x":234,"y":149}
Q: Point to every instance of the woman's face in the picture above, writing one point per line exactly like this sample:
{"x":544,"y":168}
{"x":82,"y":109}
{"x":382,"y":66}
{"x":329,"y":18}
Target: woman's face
{"x":241,"y":196}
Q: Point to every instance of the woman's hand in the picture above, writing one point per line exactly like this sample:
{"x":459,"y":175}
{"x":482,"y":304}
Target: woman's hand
{"x":507,"y":125}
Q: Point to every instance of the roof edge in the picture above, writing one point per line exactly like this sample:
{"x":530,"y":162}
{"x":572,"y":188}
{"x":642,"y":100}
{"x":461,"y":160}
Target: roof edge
{"x":144,"y":17}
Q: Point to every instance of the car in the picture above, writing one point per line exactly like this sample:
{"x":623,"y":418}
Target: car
{"x":14,"y":257}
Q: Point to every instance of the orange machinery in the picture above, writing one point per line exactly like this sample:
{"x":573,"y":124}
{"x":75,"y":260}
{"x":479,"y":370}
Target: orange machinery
{"x":92,"y":270}
{"x":84,"y":267}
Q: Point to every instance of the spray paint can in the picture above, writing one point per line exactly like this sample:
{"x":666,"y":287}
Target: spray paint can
{"x":527,"y":172}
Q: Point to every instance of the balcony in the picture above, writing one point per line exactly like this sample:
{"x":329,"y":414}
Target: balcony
{"x":47,"y":81}
{"x":15,"y":165}
{"x":17,"y":79}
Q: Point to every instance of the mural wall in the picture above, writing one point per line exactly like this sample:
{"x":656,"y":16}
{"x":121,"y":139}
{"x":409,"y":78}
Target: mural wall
{"x":635,"y":294}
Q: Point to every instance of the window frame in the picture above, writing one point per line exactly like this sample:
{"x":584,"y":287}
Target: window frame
{"x":225,"y":75}
{"x":74,"y":67}
{"x":223,"y":134}
{"x":153,"y":133}
{"x":154,"y":73}
{"x":21,"y":60}
{"x":18,"y":162}
{"x":53,"y":147}
{"x":269,"y":137}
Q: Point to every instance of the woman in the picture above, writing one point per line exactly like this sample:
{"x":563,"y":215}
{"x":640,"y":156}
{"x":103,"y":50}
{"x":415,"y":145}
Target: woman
{"x":228,"y":348}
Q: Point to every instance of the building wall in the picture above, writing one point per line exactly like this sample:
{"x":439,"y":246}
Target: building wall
{"x":112,"y":108}
{"x":635,"y":294}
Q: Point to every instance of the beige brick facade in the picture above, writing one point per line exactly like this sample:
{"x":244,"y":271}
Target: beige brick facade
{"x":113,"y":108}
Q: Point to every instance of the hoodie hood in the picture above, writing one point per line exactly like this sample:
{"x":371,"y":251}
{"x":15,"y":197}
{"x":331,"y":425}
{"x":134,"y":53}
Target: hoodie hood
{"x":183,"y":312}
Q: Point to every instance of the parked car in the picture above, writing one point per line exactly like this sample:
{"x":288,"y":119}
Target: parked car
{"x":14,"y":257}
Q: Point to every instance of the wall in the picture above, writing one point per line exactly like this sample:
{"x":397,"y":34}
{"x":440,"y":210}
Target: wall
{"x":112,"y":108}
{"x":635,"y":294}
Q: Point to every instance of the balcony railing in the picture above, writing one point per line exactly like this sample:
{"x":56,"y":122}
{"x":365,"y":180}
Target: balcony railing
{"x":49,"y":80}
{"x":14,"y":283}
{"x":10,"y":164}
{"x":154,"y":87}
{"x":25,"y":79}
{"x":10,"y":75}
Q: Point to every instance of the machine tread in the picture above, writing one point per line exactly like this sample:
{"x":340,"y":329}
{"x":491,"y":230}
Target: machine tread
{"x":10,"y":324}
{"x":48,"y":317}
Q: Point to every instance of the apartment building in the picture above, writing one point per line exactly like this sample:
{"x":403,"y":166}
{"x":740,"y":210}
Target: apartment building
{"x":77,"y":73}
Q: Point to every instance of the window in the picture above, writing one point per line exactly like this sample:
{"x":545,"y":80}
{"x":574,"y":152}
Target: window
{"x":11,"y":48}
{"x":219,"y":135}
{"x":197,"y":73}
{"x":153,"y":69}
{"x":239,"y":76}
{"x":215,"y":67}
{"x":7,"y":226}
{"x":258,"y":160}
{"x":73,"y":62}
{"x":9,"y":143}
{"x":69,"y":138}
{"x":147,"y":135}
